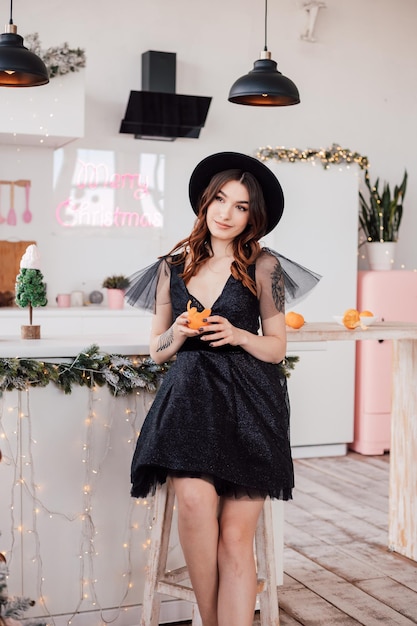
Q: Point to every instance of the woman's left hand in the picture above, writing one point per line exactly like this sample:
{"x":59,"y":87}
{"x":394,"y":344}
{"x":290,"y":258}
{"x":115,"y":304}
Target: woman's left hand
{"x":220,"y":332}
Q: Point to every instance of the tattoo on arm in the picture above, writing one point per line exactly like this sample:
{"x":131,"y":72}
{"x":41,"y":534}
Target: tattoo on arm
{"x":165,"y":340}
{"x":278,"y":288}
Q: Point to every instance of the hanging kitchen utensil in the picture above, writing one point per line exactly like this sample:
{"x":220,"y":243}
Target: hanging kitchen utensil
{"x":11,"y":216}
{"x":27,"y":215}
{"x":2,"y":218}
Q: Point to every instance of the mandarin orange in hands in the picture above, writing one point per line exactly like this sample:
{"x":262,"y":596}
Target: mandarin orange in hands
{"x":195,"y":318}
{"x":294,"y":320}
{"x":351,"y":319}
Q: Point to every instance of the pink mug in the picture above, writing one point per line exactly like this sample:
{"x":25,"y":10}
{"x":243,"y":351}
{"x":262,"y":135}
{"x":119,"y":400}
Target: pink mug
{"x":63,"y":299}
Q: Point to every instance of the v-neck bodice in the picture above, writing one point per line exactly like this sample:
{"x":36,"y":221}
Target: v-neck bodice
{"x":205,"y":306}
{"x":235,"y":302}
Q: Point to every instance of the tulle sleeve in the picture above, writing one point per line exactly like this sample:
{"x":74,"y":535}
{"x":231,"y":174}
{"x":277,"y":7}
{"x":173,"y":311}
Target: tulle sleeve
{"x":286,"y":280}
{"x":149,"y":285}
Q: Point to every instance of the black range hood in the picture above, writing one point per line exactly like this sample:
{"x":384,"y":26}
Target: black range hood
{"x":157,"y":112}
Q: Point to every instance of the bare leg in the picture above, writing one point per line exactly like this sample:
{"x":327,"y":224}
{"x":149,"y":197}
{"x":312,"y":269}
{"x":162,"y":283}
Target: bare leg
{"x":236,"y":562}
{"x":198,"y":529}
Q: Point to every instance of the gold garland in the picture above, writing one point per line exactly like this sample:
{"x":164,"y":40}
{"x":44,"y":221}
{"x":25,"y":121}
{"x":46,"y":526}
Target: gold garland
{"x":335,"y":155}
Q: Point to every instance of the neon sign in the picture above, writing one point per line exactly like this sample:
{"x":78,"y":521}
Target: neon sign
{"x":101,"y":197}
{"x":93,"y":176}
{"x":69,"y":214}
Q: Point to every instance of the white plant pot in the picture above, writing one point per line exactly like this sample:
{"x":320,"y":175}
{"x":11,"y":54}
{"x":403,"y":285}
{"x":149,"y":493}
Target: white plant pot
{"x":381,"y":254}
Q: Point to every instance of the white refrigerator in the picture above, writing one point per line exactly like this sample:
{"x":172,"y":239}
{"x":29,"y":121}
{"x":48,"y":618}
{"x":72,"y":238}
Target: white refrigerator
{"x":319,"y":229}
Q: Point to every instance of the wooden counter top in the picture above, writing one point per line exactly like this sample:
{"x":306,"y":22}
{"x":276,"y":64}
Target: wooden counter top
{"x":330,"y":331}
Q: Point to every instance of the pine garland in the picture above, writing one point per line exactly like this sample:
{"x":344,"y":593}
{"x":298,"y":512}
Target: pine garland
{"x":59,"y":60}
{"x":288,"y":364}
{"x":122,"y":375}
{"x":13,"y":608}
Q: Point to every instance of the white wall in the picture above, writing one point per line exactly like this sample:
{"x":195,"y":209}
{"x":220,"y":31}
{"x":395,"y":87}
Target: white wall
{"x":358,"y":87}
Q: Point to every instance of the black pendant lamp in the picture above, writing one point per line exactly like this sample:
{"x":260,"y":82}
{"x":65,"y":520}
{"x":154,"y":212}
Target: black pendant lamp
{"x":264,"y":85}
{"x":19,"y":67}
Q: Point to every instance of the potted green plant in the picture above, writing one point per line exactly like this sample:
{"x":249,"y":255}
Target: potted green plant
{"x":116,"y":286}
{"x":380,"y":218}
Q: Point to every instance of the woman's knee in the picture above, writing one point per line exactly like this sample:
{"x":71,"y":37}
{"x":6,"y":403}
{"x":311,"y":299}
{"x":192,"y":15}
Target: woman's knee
{"x":195,"y":497}
{"x":235,"y":540}
{"x":237,"y":526}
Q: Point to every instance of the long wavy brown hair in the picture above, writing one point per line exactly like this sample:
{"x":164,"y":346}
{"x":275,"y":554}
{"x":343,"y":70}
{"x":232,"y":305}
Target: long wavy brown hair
{"x":196,"y":248}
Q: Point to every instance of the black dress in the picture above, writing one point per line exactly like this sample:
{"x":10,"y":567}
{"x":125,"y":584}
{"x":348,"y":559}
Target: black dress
{"x":220,"y":413}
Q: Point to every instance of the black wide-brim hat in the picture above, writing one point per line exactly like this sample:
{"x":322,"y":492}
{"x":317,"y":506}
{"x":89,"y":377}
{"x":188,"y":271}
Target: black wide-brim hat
{"x":221,"y":161}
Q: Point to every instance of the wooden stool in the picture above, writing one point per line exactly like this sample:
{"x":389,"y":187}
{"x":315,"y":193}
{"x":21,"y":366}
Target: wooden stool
{"x":173,"y":583}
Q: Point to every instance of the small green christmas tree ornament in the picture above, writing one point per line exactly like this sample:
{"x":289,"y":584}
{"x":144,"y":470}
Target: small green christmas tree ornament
{"x":30,"y":289}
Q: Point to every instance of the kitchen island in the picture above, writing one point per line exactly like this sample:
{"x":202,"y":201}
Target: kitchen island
{"x":74,"y":539}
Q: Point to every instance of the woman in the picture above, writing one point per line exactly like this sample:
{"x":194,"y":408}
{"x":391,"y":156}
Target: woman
{"x":219,"y":425}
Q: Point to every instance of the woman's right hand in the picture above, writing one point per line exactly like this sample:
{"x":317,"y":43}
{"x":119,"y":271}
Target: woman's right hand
{"x":182,"y":326}
{"x":167,"y":343}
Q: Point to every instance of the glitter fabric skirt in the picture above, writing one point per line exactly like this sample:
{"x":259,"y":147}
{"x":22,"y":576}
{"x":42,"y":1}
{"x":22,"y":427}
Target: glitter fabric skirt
{"x":219,"y":415}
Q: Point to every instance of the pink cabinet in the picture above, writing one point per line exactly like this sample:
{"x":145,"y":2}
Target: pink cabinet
{"x":392,"y":296}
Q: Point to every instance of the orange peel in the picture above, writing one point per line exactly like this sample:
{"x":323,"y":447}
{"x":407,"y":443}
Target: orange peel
{"x":195,"y":317}
{"x":351,"y":319}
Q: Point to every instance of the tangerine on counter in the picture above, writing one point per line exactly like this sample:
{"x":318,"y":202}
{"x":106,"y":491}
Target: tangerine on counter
{"x":195,"y":318}
{"x":294,"y":320}
{"x":351,"y":319}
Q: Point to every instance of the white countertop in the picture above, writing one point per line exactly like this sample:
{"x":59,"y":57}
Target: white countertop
{"x":71,"y":311}
{"x":54,"y":346}
{"x":137,"y":343}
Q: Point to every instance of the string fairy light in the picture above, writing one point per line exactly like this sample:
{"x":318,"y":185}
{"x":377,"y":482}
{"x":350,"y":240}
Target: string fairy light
{"x":335,"y":155}
{"x":112,"y":420}
{"x":21,"y":456}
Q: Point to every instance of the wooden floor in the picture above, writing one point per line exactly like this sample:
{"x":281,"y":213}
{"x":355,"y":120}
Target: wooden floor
{"x":338,"y":570}
{"x":337,"y":567}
